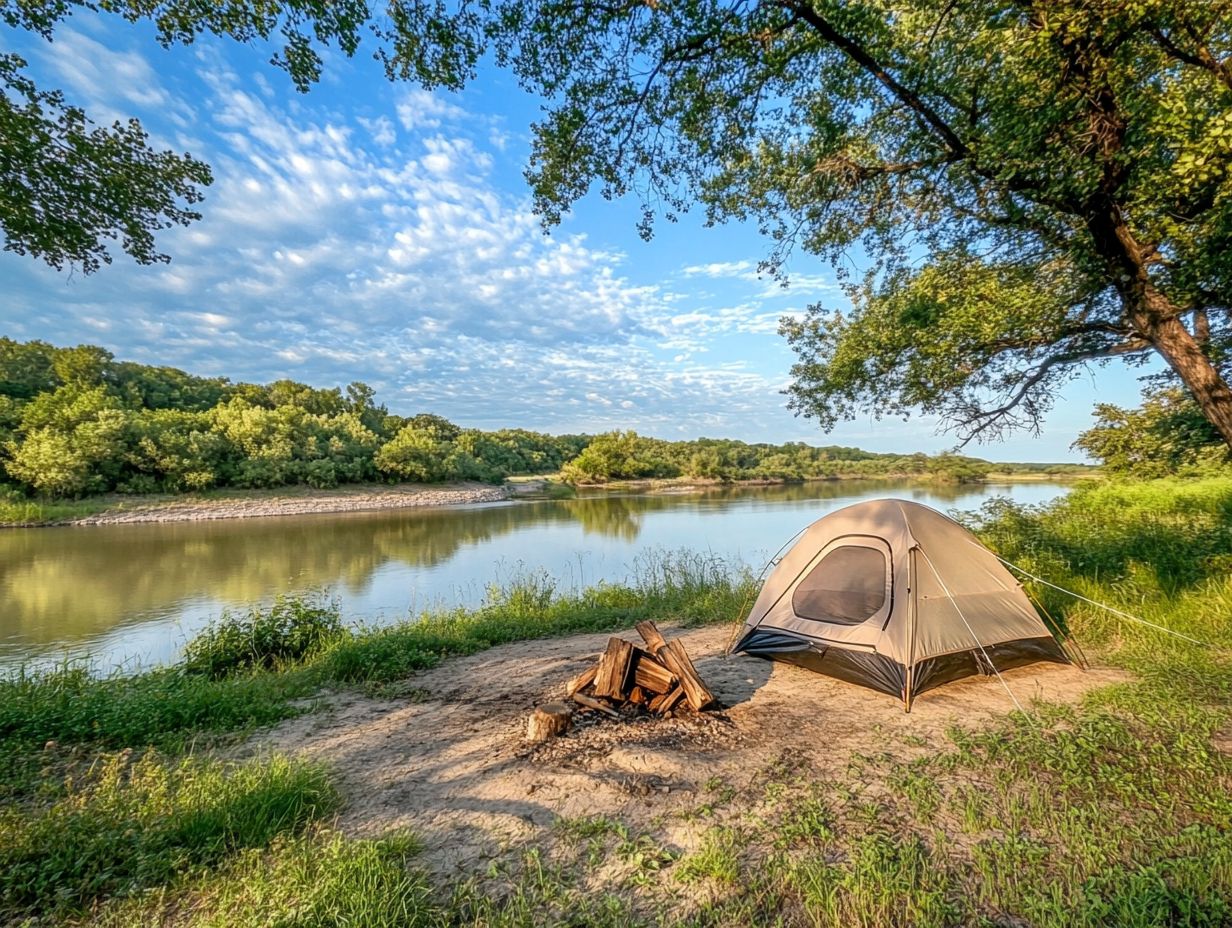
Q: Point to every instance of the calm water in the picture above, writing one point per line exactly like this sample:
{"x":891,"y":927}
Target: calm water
{"x":132,"y":594}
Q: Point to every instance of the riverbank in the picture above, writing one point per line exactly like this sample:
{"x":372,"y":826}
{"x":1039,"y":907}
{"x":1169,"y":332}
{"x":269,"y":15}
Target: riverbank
{"x":115,"y":509}
{"x":297,"y":770}
{"x":119,"y":509}
{"x":703,"y":484}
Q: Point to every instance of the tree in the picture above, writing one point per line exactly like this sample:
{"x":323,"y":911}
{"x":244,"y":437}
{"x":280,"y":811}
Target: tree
{"x":69,"y":188}
{"x":417,"y":454}
{"x":73,"y":442}
{"x":1037,"y":184}
{"x":1166,"y":435}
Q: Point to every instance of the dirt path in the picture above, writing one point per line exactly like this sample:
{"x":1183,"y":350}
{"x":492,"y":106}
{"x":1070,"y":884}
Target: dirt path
{"x":290,"y":501}
{"x":449,"y":761}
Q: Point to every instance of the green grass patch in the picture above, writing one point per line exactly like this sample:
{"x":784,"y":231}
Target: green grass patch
{"x":319,"y":880}
{"x":133,"y":823}
{"x":716,"y":858}
{"x":47,"y":512}
{"x":683,"y":588}
{"x":884,"y":882}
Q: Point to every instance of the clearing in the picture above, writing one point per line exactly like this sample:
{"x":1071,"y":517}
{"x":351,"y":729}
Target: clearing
{"x":447,"y":757}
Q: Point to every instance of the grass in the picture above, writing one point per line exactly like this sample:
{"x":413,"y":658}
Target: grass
{"x":683,"y":588}
{"x":17,"y":512}
{"x":317,"y":879}
{"x":132,"y":823}
{"x":1115,"y":812}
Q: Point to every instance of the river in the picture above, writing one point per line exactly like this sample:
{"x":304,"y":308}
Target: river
{"x":131,"y":595}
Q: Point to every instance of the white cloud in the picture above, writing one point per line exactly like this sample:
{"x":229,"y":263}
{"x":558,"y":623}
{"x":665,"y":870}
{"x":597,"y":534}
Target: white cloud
{"x":421,"y":109}
{"x":335,"y":249}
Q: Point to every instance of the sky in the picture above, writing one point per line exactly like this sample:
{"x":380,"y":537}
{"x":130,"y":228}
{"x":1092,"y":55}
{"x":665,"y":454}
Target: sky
{"x":379,"y":232}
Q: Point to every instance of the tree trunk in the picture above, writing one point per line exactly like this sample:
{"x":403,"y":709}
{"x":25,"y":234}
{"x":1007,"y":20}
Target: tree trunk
{"x":1157,"y":319}
{"x":1182,"y":352}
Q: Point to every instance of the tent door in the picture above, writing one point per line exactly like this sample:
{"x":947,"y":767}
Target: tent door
{"x":846,"y":593}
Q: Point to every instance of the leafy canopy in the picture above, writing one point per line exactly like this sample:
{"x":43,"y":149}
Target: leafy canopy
{"x":1034,"y":185}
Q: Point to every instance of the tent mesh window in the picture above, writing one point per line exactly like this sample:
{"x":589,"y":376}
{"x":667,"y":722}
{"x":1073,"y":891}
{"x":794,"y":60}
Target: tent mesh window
{"x":848,"y":586}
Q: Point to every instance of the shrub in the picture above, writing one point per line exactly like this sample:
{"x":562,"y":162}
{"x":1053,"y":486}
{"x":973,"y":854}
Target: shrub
{"x":287,"y":632}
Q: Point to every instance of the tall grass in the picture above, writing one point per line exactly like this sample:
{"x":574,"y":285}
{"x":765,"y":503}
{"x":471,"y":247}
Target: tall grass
{"x":684,"y":588}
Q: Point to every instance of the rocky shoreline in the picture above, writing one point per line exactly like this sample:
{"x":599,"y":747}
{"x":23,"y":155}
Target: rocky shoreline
{"x":364,"y":498}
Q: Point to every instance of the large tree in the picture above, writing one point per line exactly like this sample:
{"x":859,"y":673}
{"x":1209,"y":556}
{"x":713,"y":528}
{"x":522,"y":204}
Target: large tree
{"x":69,"y":189}
{"x":1031,"y":185}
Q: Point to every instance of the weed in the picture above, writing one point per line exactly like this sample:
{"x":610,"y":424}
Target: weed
{"x":716,"y":858}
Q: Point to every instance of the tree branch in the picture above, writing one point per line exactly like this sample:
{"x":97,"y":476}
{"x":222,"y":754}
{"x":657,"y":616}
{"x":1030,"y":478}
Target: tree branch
{"x":981,"y":420}
{"x":1199,"y":58}
{"x":861,"y":56}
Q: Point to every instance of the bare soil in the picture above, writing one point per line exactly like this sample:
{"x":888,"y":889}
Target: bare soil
{"x":449,"y":761}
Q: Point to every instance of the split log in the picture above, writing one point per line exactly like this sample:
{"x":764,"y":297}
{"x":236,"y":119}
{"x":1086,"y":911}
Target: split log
{"x":676,"y":659}
{"x":651,"y":675}
{"x":661,"y":705}
{"x":548,"y":721}
{"x":612,"y":674}
{"x":589,"y":703}
{"x":638,"y":696}
{"x":651,"y":635}
{"x":581,"y":681}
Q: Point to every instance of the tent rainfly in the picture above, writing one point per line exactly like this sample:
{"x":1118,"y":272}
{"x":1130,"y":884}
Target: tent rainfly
{"x":895,"y":596}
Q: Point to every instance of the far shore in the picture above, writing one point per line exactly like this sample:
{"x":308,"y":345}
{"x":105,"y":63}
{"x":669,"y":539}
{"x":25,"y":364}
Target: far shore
{"x":115,"y":509}
{"x":701,"y":484}
{"x":118,"y":509}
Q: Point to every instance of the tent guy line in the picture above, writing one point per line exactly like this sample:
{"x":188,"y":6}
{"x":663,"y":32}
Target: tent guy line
{"x":1116,"y":612}
{"x":974,"y":636}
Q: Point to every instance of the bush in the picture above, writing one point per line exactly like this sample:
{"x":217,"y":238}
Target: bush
{"x":288,"y":632}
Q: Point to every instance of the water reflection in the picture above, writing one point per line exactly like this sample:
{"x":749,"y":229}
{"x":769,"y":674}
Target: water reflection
{"x":95,"y":587}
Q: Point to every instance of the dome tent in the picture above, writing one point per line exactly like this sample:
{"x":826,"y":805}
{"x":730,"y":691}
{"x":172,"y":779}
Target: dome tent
{"x":895,"y":596}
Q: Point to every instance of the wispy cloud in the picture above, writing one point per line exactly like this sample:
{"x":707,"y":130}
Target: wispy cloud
{"x":338,"y":248}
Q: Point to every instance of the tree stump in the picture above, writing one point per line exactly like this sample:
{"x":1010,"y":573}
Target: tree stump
{"x":548,"y":721}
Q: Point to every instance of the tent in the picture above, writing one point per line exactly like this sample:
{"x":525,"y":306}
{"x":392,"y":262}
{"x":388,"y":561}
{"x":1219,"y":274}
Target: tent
{"x":895,"y":596}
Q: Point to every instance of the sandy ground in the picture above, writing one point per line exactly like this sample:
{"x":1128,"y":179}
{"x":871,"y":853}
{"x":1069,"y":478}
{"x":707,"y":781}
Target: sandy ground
{"x":448,"y":759}
{"x":293,"y":501}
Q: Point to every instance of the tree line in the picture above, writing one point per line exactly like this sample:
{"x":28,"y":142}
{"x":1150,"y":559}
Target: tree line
{"x":75,"y":421}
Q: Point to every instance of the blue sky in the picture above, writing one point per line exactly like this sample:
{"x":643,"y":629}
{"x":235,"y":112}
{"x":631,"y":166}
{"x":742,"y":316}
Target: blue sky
{"x":378,"y":232}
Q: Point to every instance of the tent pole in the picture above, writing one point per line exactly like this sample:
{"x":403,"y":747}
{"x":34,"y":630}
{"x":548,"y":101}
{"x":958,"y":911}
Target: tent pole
{"x":910,"y":631}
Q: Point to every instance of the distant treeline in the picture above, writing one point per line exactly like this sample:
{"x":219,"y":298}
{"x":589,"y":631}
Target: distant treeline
{"x":74,"y":421}
{"x":629,"y":456}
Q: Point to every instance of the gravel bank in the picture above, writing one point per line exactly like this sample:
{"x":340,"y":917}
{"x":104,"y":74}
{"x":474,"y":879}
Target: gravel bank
{"x":294,"y":502}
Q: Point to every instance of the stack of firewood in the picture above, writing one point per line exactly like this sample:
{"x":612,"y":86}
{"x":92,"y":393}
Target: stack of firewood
{"x":658,"y":677}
